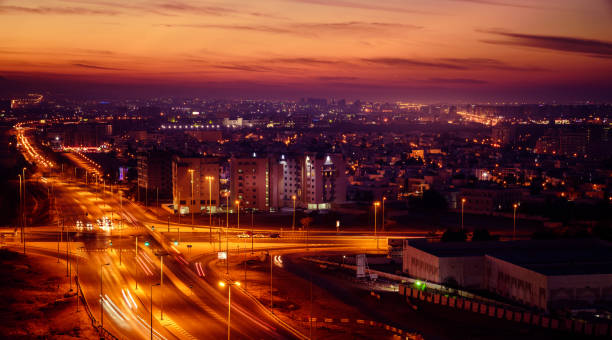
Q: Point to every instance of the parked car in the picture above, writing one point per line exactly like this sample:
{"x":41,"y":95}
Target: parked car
{"x":275,"y":235}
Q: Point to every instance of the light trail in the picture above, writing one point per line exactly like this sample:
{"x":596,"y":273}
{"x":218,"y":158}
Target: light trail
{"x":200,"y":270}
{"x":143,"y":323}
{"x":144,"y":266}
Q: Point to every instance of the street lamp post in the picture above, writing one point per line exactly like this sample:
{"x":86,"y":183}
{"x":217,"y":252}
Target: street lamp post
{"x":227,"y":195}
{"x":515,"y":206}
{"x":161,"y":265}
{"x":229,"y":285}
{"x":191,"y":202}
{"x":252,"y":233}
{"x":68,"y":264}
{"x":157,"y":284}
{"x":462,"y":204}
{"x":24,"y":219}
{"x":376,"y":204}
{"x":136,"y":252}
{"x":20,"y":219}
{"x":294,"y":198}
{"x":382,"y":223}
{"x":101,"y":298}
{"x":77,"y":280}
{"x":237,"y":214}
{"x":209,"y":179}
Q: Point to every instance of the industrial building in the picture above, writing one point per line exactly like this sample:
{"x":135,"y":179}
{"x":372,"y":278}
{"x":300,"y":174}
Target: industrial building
{"x":542,"y":274}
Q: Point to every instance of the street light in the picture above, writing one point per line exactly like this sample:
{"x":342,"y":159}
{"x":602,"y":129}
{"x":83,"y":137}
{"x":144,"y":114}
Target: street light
{"x":237,"y":202}
{"x":293,"y":223}
{"x":23,"y":214}
{"x":515,"y":206}
{"x":383,"y":213}
{"x":209,"y":179}
{"x":463,"y":200}
{"x":229,"y":285}
{"x":101,"y":297}
{"x":376,"y":204}
{"x":157,"y":284}
{"x":191,"y":203}
{"x":21,"y":207}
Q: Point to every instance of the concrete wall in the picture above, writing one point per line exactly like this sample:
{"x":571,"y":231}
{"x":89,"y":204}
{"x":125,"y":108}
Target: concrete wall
{"x":579,"y":289}
{"x":518,"y":283}
{"x":420,"y":265}
{"x":467,"y":271}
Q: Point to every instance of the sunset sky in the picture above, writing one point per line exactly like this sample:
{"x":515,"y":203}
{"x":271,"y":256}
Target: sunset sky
{"x":427,"y":50}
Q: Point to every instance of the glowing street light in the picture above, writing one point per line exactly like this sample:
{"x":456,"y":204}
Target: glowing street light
{"x":383,"y":213}
{"x":376,"y":204}
{"x":515,"y":206}
{"x":191,"y":203}
{"x":293,"y":223}
{"x":229,"y":285}
{"x":209,"y":179}
{"x":463,"y":200}
{"x":237,"y":202}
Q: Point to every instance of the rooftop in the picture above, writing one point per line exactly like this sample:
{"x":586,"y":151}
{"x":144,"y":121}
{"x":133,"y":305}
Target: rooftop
{"x":550,"y":257}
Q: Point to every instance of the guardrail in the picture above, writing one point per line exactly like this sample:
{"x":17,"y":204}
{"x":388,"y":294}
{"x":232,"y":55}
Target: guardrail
{"x":404,"y":279}
{"x":525,"y":317}
{"x":104,"y":333}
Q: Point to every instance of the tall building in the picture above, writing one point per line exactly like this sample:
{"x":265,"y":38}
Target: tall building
{"x":86,"y":134}
{"x":503,"y":134}
{"x":289,"y":180}
{"x":324,"y":181}
{"x":250,"y":182}
{"x":155,"y":173}
{"x":195,"y":184}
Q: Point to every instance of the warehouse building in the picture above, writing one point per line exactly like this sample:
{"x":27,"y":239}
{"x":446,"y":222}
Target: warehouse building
{"x":543,"y":274}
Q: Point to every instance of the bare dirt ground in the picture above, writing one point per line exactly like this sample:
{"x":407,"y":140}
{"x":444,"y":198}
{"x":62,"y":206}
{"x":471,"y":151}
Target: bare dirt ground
{"x":35,"y":301}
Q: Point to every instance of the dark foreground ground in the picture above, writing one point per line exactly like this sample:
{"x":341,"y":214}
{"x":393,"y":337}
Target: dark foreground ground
{"x":33,"y":303}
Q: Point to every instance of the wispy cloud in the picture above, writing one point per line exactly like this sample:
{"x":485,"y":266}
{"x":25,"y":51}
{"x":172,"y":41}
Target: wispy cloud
{"x":404,"y":62}
{"x":307,"y":29}
{"x":56,"y":10}
{"x":305,"y":61}
{"x":338,"y":78}
{"x":96,"y":67}
{"x":243,"y":67}
{"x":253,"y":28}
{"x":361,"y":5}
{"x":488,"y":63}
{"x":291,"y":64}
{"x":597,"y":48}
{"x":503,"y":3}
{"x":182,"y":7}
{"x":170,"y":8}
{"x":457,"y":81}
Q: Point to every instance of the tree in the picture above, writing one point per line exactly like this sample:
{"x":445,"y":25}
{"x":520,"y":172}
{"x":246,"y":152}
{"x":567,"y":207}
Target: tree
{"x":450,"y":282}
{"x":451,"y":235}
{"x":306,"y":221}
{"x":483,"y":235}
{"x":434,"y":201}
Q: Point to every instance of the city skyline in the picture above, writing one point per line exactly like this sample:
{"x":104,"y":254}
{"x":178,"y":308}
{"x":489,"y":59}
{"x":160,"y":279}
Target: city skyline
{"x":452,"y":50}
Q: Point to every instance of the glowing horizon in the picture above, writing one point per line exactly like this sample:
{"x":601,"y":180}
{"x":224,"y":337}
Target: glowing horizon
{"x":341,"y":45}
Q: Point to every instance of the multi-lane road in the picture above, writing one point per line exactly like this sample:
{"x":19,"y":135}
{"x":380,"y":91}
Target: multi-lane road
{"x":120,"y":267}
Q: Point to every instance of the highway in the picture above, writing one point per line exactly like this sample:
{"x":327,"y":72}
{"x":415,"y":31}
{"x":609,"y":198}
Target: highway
{"x":194,"y":305}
